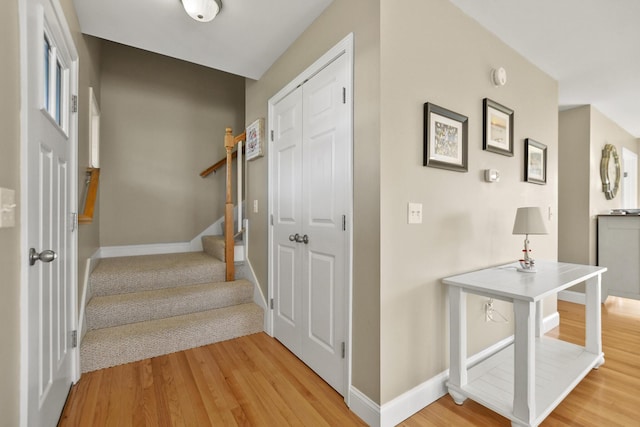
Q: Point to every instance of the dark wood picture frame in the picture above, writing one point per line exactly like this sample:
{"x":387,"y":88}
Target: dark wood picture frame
{"x":497,"y":127}
{"x":445,"y":139}
{"x":535,"y":162}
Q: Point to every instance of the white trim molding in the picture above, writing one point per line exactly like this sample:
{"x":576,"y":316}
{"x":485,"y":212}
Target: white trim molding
{"x":364,"y":407}
{"x":572,"y":296}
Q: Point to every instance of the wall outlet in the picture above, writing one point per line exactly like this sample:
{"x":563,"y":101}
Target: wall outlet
{"x":414,"y":213}
{"x":7,"y":208}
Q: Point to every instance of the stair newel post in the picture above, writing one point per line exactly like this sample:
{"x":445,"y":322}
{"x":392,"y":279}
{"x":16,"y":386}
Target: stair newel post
{"x":228,"y":212}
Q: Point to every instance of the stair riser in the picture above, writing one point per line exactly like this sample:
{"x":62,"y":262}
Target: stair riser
{"x":106,"y":314}
{"x":115,"y":346}
{"x":150,"y":280}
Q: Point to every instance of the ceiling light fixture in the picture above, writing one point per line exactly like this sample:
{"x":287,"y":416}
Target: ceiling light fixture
{"x":201,"y":10}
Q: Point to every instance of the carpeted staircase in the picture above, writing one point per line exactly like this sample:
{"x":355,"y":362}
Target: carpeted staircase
{"x":146,"y":306}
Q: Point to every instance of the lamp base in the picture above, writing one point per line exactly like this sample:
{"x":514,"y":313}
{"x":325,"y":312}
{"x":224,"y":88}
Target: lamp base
{"x":527,"y":270}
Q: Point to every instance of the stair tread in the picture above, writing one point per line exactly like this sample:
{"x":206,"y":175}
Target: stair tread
{"x":148,"y":272}
{"x":113,"y":310}
{"x":112,"y":346}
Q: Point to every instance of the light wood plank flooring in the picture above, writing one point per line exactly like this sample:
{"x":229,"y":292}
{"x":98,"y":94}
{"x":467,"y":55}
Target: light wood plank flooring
{"x":255,"y":381}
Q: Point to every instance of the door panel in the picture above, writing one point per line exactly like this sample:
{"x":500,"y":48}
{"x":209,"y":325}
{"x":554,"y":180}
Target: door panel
{"x":287,"y":213}
{"x":326,"y":155}
{"x":50,"y":198}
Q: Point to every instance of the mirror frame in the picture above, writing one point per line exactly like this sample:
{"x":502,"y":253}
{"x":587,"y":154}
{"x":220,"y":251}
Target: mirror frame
{"x":609,"y":151}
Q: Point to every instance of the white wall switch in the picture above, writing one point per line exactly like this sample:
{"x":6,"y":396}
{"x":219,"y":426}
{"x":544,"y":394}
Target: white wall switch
{"x":414,"y":213}
{"x":7,"y":208}
{"x":255,"y":206}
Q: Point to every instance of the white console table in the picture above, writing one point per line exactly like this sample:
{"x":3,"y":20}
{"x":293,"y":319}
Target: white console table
{"x":526,"y":380}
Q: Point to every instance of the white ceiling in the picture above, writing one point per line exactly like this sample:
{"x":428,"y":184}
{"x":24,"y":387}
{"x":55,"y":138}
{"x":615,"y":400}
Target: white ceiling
{"x":244,"y":39}
{"x":591,"y":47}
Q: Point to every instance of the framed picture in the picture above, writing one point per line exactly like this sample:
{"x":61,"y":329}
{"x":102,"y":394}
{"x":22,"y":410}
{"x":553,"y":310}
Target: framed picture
{"x":255,"y":140}
{"x":445,"y":139}
{"x":535,"y":162}
{"x":497,"y":127}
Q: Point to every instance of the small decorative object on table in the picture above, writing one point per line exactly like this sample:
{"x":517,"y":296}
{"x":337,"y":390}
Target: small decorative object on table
{"x":528,"y":221}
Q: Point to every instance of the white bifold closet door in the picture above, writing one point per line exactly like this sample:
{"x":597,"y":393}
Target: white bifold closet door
{"x":310,"y":253}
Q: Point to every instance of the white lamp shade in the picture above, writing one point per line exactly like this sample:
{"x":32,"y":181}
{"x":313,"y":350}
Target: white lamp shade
{"x":201,"y":10}
{"x":529,"y":221}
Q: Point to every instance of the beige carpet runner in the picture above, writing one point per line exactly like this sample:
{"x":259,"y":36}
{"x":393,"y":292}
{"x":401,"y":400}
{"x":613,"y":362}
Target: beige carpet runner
{"x":146,"y":306}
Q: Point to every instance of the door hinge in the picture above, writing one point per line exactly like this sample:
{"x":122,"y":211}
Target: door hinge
{"x":74,"y":221}
{"x":74,"y":339}
{"x":271,"y":136}
{"x":344,"y":349}
{"x":344,"y":95}
{"x":344,"y":223}
{"x":271,"y":304}
{"x":74,"y":103}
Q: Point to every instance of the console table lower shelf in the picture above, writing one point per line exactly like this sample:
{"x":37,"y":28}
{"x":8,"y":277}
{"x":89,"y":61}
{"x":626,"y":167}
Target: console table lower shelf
{"x":559,"y":367}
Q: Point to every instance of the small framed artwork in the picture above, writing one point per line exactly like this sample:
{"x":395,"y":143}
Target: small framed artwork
{"x":254,"y":146}
{"x":445,"y":139}
{"x":535,"y":162}
{"x":497,"y":127}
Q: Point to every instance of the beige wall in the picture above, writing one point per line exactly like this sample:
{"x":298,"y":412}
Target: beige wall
{"x":432,"y":52}
{"x":342,"y":17}
{"x":10,"y":237}
{"x":89,"y":76}
{"x":162,"y":123}
{"x":574,"y":176}
{"x":583,"y":133}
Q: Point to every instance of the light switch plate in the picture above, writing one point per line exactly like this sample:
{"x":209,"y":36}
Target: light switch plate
{"x":7,"y":208}
{"x":414,"y":213}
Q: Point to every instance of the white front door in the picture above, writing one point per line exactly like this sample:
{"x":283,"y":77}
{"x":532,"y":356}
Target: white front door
{"x":49,"y":137}
{"x":311,"y":193}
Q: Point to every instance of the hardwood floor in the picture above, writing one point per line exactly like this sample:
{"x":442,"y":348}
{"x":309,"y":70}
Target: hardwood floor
{"x":255,"y":381}
{"x":248,"y":381}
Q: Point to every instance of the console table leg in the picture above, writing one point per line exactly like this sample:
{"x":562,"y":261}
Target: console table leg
{"x":524,"y":399}
{"x":457,"y":397}
{"x":458,"y":337}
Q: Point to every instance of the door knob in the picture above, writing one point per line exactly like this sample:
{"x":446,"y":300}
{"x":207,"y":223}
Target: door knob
{"x":44,"y":256}
{"x":294,"y":238}
{"x":305,"y":239}
{"x":299,"y":238}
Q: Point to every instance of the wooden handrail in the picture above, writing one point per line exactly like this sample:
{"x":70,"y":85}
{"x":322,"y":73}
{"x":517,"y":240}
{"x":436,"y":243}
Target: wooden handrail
{"x":229,"y":245}
{"x":86,"y":217}
{"x":220,"y":163}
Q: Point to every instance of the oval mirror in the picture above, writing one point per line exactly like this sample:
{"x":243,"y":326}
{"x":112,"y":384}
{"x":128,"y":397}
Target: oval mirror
{"x":607,"y":170}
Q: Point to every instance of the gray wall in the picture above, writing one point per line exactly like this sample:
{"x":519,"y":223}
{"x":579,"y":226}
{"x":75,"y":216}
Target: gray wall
{"x":89,"y":76}
{"x":162,"y":123}
{"x":10,"y":237}
{"x":432,"y":52}
{"x":342,"y":17}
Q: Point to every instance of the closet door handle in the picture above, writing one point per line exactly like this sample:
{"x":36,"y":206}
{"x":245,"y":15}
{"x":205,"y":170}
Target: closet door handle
{"x":305,"y":239}
{"x":299,"y":238}
{"x":294,"y":238}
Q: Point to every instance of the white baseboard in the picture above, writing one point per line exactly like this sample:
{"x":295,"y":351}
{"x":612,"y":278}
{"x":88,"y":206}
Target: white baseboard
{"x":160,"y":248}
{"x":365,"y":408}
{"x":135,"y":250}
{"x":402,"y":407}
{"x":572,"y":296}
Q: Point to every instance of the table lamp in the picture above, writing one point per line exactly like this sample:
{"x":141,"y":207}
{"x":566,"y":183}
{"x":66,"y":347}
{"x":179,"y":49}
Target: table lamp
{"x":528,"y":221}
